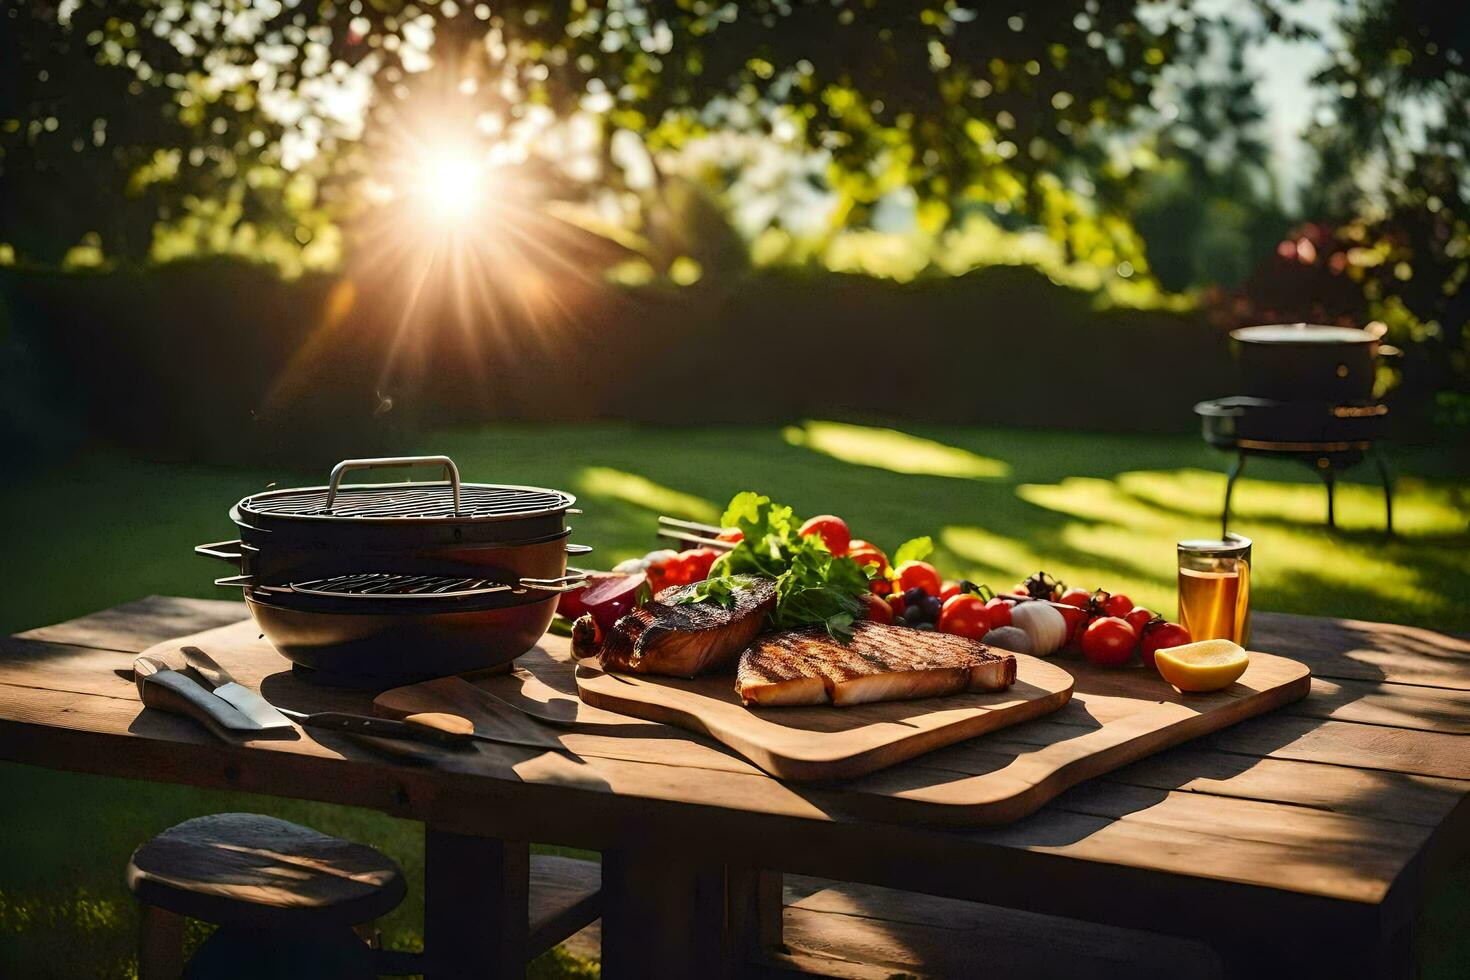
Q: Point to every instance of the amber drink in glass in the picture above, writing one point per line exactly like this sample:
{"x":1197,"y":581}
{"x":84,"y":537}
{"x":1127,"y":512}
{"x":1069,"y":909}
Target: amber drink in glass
{"x":1214,"y":588}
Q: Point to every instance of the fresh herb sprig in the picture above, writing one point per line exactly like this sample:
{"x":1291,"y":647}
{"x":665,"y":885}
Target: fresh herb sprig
{"x":813,"y":586}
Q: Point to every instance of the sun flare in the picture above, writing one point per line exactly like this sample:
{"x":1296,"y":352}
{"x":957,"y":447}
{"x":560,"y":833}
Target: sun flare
{"x":450,"y":186}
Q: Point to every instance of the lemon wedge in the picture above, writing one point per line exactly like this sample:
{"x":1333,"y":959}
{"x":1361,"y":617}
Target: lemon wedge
{"x":1204,"y":666}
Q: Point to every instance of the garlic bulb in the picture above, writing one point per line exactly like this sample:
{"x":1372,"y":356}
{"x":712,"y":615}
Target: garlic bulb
{"x":1010,"y":638}
{"x":1046,"y":627}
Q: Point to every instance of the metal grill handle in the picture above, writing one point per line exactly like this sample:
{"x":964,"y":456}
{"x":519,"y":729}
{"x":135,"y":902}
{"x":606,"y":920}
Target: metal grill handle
{"x":450,"y":470}
{"x":575,"y":578}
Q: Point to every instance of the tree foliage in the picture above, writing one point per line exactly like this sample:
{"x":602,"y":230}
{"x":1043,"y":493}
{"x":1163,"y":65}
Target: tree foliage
{"x":158,"y":106}
{"x":232,"y":123}
{"x":1396,"y":152}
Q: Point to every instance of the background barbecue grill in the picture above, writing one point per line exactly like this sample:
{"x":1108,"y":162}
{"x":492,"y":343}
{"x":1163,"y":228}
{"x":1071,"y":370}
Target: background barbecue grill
{"x":1311,"y":399}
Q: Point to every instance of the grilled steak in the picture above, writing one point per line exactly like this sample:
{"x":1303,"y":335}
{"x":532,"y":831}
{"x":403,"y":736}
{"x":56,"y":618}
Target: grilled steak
{"x":882,"y":663}
{"x":664,"y":637}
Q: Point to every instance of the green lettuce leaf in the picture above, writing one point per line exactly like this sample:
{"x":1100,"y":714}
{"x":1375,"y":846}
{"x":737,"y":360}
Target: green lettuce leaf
{"x":813,"y":587}
{"x":914,"y":549}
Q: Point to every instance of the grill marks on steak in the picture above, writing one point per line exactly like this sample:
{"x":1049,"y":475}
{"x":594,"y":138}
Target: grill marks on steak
{"x":882,"y":663}
{"x":664,"y":637}
{"x":803,"y":666}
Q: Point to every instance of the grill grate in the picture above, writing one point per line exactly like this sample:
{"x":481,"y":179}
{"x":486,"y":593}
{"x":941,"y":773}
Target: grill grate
{"x":386,"y":585}
{"x":409,"y":501}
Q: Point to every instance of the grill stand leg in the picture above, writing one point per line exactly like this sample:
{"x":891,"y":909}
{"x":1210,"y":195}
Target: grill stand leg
{"x":1324,"y":467}
{"x":1235,"y":471}
{"x":1387,"y":488}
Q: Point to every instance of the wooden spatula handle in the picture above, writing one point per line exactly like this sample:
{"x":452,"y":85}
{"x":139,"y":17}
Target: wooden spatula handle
{"x":441,"y":721}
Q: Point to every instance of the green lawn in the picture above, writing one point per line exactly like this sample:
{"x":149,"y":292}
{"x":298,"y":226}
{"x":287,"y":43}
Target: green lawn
{"x":1094,"y":510}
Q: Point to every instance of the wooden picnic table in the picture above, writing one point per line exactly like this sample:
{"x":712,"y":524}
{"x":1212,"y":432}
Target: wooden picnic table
{"x":1305,"y":839}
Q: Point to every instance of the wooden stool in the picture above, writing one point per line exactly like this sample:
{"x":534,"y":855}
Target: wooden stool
{"x":282,"y":893}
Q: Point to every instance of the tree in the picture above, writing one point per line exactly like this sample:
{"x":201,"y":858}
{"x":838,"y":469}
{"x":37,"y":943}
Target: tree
{"x":1210,"y":212}
{"x":1402,"y":123}
{"x":159,"y":106}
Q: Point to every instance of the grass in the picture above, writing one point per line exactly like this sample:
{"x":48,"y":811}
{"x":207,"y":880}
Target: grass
{"x":1094,"y":510}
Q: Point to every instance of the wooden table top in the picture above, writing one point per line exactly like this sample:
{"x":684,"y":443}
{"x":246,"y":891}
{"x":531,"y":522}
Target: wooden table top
{"x":1346,"y":801}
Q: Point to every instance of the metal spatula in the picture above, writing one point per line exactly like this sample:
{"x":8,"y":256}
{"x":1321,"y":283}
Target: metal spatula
{"x":162,"y":687}
{"x":246,"y":701}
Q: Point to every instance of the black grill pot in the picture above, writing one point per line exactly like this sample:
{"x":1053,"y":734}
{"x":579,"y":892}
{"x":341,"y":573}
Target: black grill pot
{"x":441,"y":528}
{"x":1305,"y":362}
{"x":376,"y":584}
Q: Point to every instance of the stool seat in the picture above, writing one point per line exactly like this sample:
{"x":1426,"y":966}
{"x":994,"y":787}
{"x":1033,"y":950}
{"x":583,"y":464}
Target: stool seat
{"x":249,"y":869}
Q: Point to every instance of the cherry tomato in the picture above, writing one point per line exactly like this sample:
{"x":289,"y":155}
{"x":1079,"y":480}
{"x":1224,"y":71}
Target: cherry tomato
{"x":896,"y":603}
{"x":919,"y":575}
{"x":1109,"y":641}
{"x":1161,"y":636}
{"x":1076,"y":597}
{"x":999,"y":611}
{"x":682,"y":568}
{"x":698,"y":562}
{"x":661,"y":574}
{"x":832,"y":530}
{"x":868,"y":555}
{"x":1117,"y":604}
{"x":877,"y":610}
{"x":949,"y":590}
{"x":1138,"y":617}
{"x":880,"y":586}
{"x":1076,"y":618}
{"x":964,"y":615}
{"x":731,"y":534}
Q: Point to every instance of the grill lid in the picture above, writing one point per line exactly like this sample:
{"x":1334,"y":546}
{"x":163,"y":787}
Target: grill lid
{"x":395,"y":502}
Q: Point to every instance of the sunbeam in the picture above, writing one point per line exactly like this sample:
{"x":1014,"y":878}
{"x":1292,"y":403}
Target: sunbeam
{"x":459,"y":256}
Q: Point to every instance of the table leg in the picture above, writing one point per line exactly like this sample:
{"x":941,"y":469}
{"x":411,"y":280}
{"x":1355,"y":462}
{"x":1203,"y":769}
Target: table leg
{"x":663,"y":917}
{"x":755,"y":905}
{"x":476,"y":906}
{"x":1322,"y":950}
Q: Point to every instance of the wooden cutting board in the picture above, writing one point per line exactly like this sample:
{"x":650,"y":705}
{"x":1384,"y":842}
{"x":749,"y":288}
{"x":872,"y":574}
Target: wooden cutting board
{"x":1116,"y":716}
{"x":824,"y":743}
{"x":807,"y":744}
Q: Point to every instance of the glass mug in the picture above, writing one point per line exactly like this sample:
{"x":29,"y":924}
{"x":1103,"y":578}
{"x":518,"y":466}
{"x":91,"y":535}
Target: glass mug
{"x":1215,"y":588}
